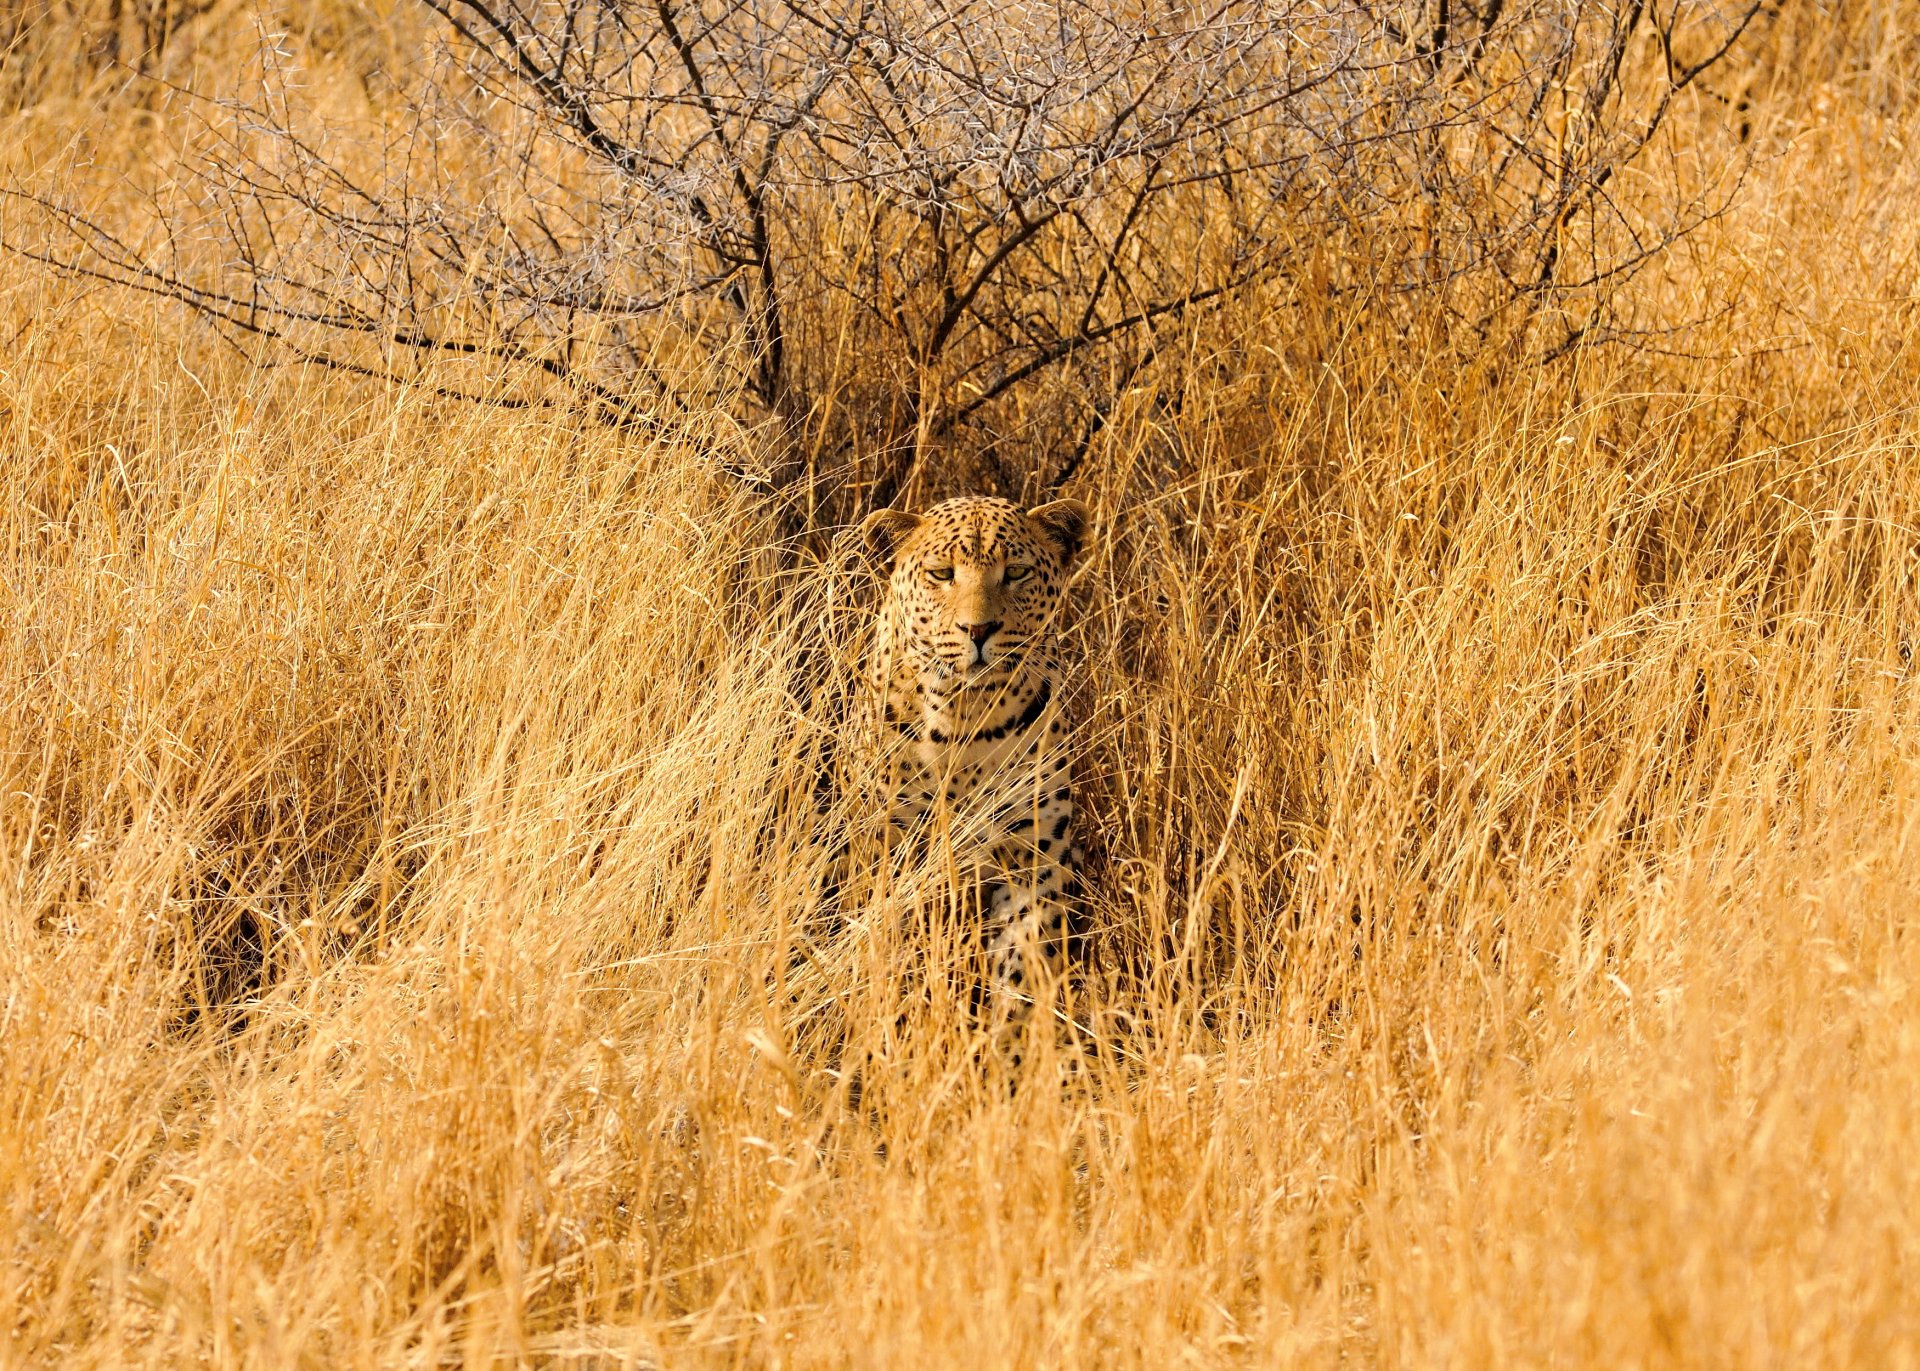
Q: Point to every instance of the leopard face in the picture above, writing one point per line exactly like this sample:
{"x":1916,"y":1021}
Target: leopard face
{"x":977,"y":584}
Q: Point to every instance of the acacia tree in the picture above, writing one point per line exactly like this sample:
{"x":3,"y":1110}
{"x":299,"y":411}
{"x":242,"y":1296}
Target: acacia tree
{"x":891,"y":223}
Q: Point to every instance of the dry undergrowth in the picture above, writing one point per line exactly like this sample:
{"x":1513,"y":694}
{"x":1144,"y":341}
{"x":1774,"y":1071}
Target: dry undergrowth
{"x":1509,"y":787}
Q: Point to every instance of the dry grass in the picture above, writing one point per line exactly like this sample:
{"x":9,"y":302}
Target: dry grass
{"x":1510,"y":795}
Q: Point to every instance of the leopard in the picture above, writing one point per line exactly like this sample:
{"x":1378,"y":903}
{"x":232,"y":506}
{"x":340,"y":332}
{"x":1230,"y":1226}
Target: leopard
{"x":969,"y":696}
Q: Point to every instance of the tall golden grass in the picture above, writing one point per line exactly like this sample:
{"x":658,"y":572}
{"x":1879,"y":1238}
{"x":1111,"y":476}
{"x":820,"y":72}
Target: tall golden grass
{"x":1507,"y":794}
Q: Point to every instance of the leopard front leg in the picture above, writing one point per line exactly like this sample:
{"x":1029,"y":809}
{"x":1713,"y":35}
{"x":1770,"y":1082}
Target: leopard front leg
{"x":1026,"y":950}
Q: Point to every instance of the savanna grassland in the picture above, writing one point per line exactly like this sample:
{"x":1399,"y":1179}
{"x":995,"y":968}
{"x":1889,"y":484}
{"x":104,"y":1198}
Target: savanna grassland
{"x":1503,"y":761}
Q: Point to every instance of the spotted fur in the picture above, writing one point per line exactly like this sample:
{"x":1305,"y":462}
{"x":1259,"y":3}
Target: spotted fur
{"x":971,"y":695}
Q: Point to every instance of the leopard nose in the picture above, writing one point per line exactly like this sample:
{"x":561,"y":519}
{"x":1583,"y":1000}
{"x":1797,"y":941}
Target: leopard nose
{"x":981,"y":632}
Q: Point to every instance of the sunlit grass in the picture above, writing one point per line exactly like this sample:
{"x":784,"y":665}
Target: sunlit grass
{"x":1506,"y":786}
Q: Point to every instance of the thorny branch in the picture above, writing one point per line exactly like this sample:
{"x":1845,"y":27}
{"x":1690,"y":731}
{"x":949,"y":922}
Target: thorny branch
{"x":651,"y":204}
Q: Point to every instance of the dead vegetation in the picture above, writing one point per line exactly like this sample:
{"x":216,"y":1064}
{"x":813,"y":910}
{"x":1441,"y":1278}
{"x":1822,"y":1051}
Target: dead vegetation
{"x":1504,"y":752}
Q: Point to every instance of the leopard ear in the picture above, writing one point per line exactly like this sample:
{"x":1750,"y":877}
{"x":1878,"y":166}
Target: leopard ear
{"x":884,"y":530}
{"x":1066,"y":522}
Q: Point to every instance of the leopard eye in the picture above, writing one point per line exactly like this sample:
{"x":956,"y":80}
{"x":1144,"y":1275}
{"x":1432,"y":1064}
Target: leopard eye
{"x":1018,"y":573}
{"x":940,"y":573}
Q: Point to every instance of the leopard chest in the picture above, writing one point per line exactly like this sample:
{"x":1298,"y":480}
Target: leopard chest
{"x":1001,"y":776}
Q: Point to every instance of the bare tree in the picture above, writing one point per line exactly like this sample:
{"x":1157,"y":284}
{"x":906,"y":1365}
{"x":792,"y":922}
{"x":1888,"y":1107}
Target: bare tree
{"x":646,"y":206}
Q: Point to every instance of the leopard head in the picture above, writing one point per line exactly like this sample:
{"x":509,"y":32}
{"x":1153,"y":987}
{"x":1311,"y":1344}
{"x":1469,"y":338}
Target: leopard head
{"x":977,"y":583}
